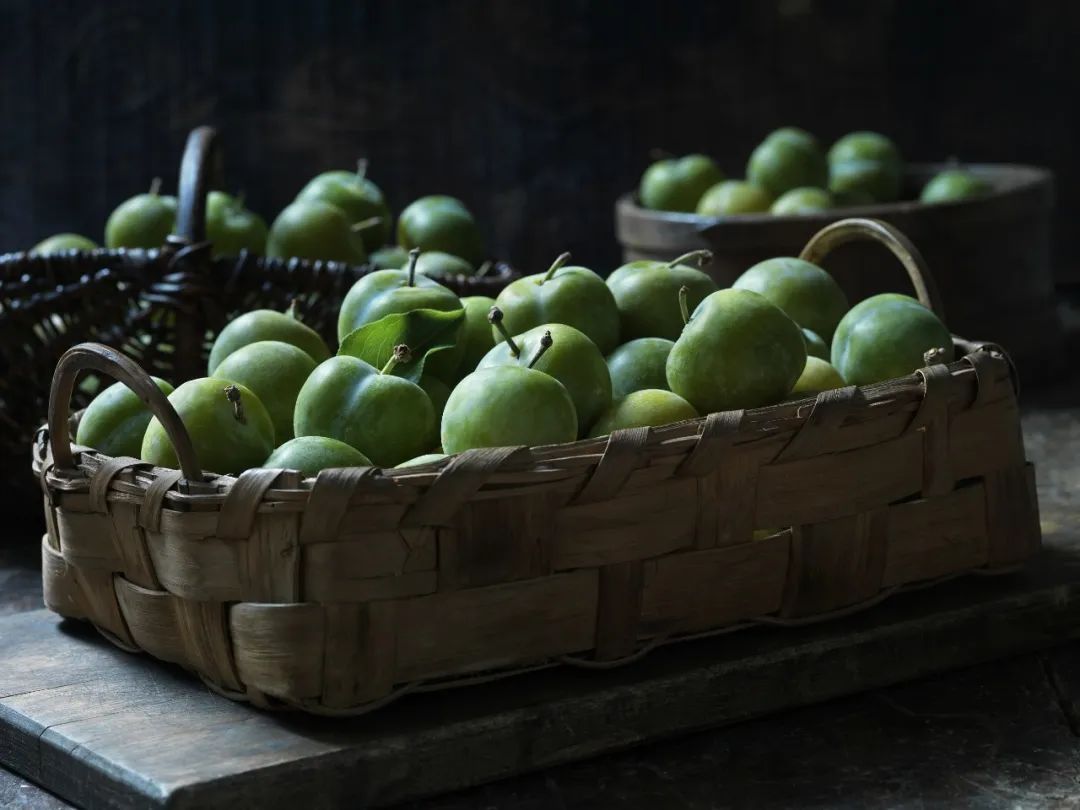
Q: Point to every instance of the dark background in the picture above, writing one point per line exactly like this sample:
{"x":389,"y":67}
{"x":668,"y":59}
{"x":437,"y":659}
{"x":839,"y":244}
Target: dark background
{"x":536,"y":113}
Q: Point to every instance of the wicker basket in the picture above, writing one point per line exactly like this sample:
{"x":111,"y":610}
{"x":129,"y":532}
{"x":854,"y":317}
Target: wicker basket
{"x":160,"y":307}
{"x":338,"y":593}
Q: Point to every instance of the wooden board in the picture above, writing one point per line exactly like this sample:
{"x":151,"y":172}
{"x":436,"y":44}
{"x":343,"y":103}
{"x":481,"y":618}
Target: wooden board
{"x":104,"y":728}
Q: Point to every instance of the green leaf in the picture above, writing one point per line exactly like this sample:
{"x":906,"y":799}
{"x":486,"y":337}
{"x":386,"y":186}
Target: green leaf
{"x":424,"y":331}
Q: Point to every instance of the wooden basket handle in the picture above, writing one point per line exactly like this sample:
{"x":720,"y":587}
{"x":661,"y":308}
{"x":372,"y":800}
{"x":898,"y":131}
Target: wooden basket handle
{"x":97,"y":357}
{"x":855,"y":229}
{"x":201,"y":170}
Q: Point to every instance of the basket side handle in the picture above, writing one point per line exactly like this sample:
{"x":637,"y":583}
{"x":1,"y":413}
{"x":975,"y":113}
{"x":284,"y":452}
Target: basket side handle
{"x":100,"y":358}
{"x":201,"y":169}
{"x":858,"y":229}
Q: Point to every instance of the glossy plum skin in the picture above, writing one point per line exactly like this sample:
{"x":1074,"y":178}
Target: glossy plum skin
{"x":808,"y":294}
{"x":677,"y":184}
{"x":649,"y":407}
{"x":315,"y":230}
{"x":115,"y":421}
{"x":312,"y":454}
{"x":143,"y":221}
{"x":647,"y":296}
{"x":358,"y":197}
{"x":265,"y":324}
{"x":639,"y":364}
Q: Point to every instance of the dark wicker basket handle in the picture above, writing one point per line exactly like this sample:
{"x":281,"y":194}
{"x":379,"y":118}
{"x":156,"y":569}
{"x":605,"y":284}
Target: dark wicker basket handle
{"x":200,"y":171}
{"x":852,"y":230}
{"x":96,"y":357}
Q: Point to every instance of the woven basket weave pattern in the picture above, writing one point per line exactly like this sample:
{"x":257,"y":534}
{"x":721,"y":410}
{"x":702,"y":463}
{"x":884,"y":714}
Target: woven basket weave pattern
{"x":331,"y":593}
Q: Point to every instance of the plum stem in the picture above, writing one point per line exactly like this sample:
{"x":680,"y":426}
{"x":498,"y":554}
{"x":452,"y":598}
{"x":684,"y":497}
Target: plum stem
{"x":361,"y":169}
{"x":545,"y":343}
{"x":485,"y":268}
{"x":292,"y":309}
{"x":155,"y":186}
{"x":495,"y":318}
{"x":559,"y":262}
{"x":700,"y":257}
{"x":684,"y":304}
{"x":414,"y":254}
{"x":232,"y":393}
{"x":370,"y":222}
{"x":401,"y":354}
{"x":934,"y":356}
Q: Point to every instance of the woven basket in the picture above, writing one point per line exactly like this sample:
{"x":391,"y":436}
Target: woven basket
{"x":160,"y":307}
{"x":338,"y":593}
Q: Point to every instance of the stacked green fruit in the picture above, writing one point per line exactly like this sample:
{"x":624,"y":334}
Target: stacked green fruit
{"x":866,"y":164}
{"x":359,"y":199}
{"x":734,"y":197}
{"x":678,"y":184}
{"x":144,"y":221}
{"x":787,"y":159}
{"x":646,"y":294}
{"x":444,"y":224}
{"x":232,"y":228}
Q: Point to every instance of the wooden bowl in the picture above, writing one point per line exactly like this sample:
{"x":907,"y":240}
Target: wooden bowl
{"x":990,"y":256}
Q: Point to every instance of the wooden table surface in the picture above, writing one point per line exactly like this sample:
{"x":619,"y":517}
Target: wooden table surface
{"x":993,"y":736}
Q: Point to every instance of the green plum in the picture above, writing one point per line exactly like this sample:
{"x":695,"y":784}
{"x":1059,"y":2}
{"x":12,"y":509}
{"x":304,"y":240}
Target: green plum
{"x":733,"y":197}
{"x":507,"y":406}
{"x":647,"y":294}
{"x":649,"y":407}
{"x":676,"y":184}
{"x":809,"y":295}
{"x":266,"y":324}
{"x":143,"y":221}
{"x":115,"y":421}
{"x":391,"y":257}
{"x":575,"y":296}
{"x":62,"y":243}
{"x":886,"y":336}
{"x":780,"y":164}
{"x":566,"y":354}
{"x":387,"y":292}
{"x":817,"y":375}
{"x":275,"y":371}
{"x":954,"y":184}
{"x":438,"y":392}
{"x":229,"y":427}
{"x":427,"y":458}
{"x":803,"y":200}
{"x":815,"y":345}
{"x":316,"y":230}
{"x":796,"y":136}
{"x":874,"y":179}
{"x":739,"y":350}
{"x":387,"y":418}
{"x":865,"y":146}
{"x":436,"y":264}
{"x":311,"y":454}
{"x":360,"y":199}
{"x":442,"y":223}
{"x":476,"y":333}
{"x":639,"y":364}
{"x":232,"y":228}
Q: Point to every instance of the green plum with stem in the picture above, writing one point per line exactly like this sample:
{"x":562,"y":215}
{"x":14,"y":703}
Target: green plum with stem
{"x":646,"y":292}
{"x":386,"y":292}
{"x":575,"y":296}
{"x":954,"y":184}
{"x":315,"y":230}
{"x":115,"y":420}
{"x":232,"y":228}
{"x":275,"y":371}
{"x":808,"y":294}
{"x":783,"y":162}
{"x":143,"y":221}
{"x":507,"y":406}
{"x":266,"y":324}
{"x":801,"y":201}
{"x":639,"y":364}
{"x":817,"y":375}
{"x":738,"y":350}
{"x":887,"y":336}
{"x":677,"y":184}
{"x":312,"y":454}
{"x":62,"y":243}
{"x":358,"y":197}
{"x":563,"y":352}
{"x":734,"y":197}
{"x":443,"y":223}
{"x":229,"y":427}
{"x":649,"y":407}
{"x":387,"y":418}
